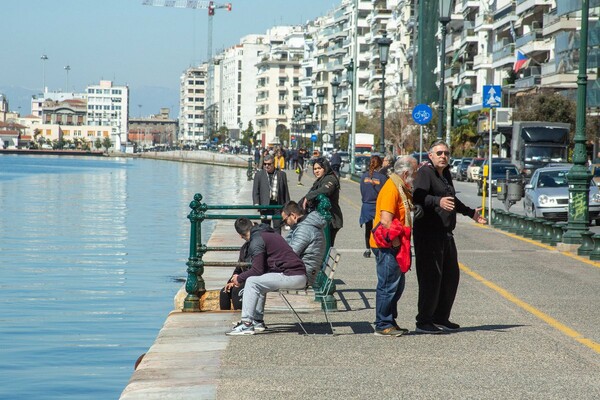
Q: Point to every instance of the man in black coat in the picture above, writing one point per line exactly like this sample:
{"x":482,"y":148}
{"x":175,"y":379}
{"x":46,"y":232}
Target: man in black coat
{"x":270,"y":188}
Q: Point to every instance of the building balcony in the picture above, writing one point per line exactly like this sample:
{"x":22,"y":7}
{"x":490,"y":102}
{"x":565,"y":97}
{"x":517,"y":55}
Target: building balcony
{"x":467,"y":5}
{"x":504,"y":16}
{"x":526,"y":5}
{"x":482,"y":61}
{"x":504,"y":56}
{"x":528,"y":37}
{"x":468,"y":34}
{"x":554,"y":24}
{"x":450,"y":72}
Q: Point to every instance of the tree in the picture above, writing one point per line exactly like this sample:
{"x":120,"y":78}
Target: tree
{"x":548,"y":107}
{"x":248,"y":135}
{"x":98,"y":144}
{"x":107,"y":144}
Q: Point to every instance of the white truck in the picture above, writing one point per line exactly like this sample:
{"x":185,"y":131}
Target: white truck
{"x":364,"y":143}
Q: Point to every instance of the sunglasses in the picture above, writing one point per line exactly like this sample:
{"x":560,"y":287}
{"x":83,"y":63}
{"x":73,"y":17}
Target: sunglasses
{"x":440,"y":152}
{"x":268,"y":163}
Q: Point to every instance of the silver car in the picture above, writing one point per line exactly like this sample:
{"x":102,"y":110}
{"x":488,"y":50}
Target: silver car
{"x":547,"y":195}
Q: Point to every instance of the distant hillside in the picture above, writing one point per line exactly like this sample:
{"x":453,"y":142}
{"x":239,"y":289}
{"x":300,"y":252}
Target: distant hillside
{"x":151,"y":98}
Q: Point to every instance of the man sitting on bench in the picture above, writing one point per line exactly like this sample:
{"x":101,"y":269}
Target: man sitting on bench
{"x":274,"y":266}
{"x":305,"y":237}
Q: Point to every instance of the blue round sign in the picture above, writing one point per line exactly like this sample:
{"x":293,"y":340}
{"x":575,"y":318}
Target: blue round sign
{"x":313,"y":138}
{"x":422,"y":114}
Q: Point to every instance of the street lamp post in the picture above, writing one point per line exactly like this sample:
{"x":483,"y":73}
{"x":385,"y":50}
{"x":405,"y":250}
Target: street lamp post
{"x":67,"y":69}
{"x":321,"y":99}
{"x":335,"y":86}
{"x":44,"y":58}
{"x":384,"y":49}
{"x":350,"y":80}
{"x":445,"y":7}
{"x":579,"y":176}
{"x":311,"y":110}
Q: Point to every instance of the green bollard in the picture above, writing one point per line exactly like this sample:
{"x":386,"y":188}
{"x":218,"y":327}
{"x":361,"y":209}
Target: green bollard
{"x":548,"y":231}
{"x":538,"y":232}
{"x":497,"y":218}
{"x":521,"y":225}
{"x":514,"y":223}
{"x":557,"y":234}
{"x":530,"y":227}
{"x":587,"y":244}
{"x":595,"y":254}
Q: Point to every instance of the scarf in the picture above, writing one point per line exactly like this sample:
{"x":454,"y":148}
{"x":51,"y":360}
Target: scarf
{"x":274,"y":186}
{"x":407,"y":200}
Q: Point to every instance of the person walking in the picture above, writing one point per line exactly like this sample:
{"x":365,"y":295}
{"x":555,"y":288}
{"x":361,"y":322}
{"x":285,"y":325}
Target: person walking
{"x":336,"y":162}
{"x":274,"y":266}
{"x":270,"y":188}
{"x":371,"y":183}
{"x":300,"y":159}
{"x":435,"y":250}
{"x":390,"y":240}
{"x":327,"y":183}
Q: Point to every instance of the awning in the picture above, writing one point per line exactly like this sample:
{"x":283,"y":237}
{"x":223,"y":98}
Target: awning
{"x":462,"y":90}
{"x":457,"y":53}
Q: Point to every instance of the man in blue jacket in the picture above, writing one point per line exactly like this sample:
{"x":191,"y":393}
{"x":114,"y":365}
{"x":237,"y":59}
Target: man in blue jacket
{"x":274,"y":266}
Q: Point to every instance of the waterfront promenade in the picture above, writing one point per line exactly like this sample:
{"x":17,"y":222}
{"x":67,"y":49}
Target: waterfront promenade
{"x":529,"y":315}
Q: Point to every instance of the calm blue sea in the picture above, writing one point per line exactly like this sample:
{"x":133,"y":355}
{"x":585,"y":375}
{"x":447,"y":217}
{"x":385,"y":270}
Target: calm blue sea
{"x":91,"y":251}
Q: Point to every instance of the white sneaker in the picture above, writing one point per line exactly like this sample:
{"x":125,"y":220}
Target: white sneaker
{"x":241,"y":329}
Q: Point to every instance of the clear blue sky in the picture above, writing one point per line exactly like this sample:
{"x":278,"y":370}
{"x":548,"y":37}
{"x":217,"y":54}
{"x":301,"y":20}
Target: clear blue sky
{"x":124,"y":41}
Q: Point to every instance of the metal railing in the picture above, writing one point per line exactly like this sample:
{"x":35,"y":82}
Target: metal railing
{"x":195,"y":285}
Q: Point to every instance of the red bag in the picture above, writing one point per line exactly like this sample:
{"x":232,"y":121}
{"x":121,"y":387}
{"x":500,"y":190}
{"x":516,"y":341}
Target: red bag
{"x":384,"y":236}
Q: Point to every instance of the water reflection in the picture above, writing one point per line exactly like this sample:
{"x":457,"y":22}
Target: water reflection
{"x":91,"y":253}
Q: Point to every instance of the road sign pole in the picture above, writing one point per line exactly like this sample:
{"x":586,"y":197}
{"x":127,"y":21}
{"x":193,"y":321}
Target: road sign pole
{"x":489,"y":181}
{"x":421,"y":146}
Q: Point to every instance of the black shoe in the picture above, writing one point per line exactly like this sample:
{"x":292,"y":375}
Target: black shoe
{"x":367,"y":253}
{"x":428,"y":328}
{"x":447,"y":326}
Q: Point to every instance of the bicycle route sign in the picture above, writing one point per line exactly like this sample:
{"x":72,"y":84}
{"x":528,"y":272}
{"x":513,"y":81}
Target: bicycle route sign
{"x":422,"y":114}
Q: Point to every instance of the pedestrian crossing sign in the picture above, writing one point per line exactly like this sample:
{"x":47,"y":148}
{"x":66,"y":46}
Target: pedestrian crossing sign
{"x":492,"y":96}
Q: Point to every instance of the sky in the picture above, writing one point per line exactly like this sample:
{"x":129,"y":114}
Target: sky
{"x":125,"y":41}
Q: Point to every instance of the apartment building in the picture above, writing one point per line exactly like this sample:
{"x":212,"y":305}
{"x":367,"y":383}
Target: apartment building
{"x":108,"y":109}
{"x":278,"y":90}
{"x":192,"y":101}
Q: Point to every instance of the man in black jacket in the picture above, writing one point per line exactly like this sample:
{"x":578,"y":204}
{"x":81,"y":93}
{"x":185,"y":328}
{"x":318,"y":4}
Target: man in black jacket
{"x":274,"y":266}
{"x":270,"y":188}
{"x":435,"y":250}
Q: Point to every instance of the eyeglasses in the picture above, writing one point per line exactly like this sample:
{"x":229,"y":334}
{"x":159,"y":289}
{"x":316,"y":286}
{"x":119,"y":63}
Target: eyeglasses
{"x":268,"y":163}
{"x":440,"y":152}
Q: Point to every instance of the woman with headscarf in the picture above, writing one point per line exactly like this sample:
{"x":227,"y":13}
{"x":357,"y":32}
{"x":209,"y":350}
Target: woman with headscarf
{"x":327,"y":183}
{"x":371,"y":183}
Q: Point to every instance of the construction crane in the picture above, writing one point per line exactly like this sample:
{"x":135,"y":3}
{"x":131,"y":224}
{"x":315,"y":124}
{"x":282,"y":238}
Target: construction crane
{"x":196,"y":4}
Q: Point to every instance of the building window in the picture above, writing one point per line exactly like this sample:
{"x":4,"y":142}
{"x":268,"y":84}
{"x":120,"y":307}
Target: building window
{"x":281,"y":110}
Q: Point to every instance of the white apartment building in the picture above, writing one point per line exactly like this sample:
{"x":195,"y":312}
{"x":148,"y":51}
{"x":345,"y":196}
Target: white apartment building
{"x":278,"y":84}
{"x":192,"y":101}
{"x":236,"y":77}
{"x":108,"y":106}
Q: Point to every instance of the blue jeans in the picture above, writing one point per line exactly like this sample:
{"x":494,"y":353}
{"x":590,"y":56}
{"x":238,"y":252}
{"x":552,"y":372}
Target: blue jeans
{"x":390,"y":285}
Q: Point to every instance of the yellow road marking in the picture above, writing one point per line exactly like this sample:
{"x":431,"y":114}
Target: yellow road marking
{"x":529,"y":308}
{"x":545,"y":246}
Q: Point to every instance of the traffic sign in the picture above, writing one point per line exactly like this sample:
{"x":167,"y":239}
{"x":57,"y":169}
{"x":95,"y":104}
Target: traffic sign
{"x":492,"y":96}
{"x":313,"y":138}
{"x":326,"y":138}
{"x":422,"y":114}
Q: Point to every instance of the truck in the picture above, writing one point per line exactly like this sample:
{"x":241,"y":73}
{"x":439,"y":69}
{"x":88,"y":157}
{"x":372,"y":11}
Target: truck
{"x":364,"y":143}
{"x":535,"y":144}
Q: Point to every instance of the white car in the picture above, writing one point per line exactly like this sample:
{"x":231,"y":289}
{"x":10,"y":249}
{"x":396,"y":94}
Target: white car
{"x":547,"y":195}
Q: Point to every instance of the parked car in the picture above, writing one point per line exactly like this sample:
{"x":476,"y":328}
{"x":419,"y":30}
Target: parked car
{"x":454,"y":163}
{"x":547,"y":195}
{"x":361,"y":163}
{"x":499,"y":171}
{"x":473,"y":169}
{"x":495,"y":160}
{"x":595,"y":171}
{"x":461,"y":173}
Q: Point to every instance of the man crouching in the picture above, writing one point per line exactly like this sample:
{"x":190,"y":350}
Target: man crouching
{"x":274,"y":266}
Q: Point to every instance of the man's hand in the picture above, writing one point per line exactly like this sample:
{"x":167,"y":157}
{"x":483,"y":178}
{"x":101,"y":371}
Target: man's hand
{"x":447,"y":203}
{"x":478,"y":218}
{"x":229,"y":286}
{"x":234,"y":281}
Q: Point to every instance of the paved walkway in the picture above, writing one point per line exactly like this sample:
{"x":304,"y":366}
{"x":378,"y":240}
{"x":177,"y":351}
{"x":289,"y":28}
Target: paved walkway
{"x":529,"y":315}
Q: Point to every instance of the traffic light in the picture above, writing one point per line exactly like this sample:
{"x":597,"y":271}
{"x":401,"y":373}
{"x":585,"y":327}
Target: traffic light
{"x":460,"y":117}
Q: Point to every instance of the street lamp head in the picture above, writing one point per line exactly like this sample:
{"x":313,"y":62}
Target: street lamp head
{"x":321,"y":96}
{"x":445,"y":10}
{"x":335,"y":85}
{"x":44,"y":57}
{"x":384,"y":43}
{"x":350,"y":72}
{"x":311,"y":107}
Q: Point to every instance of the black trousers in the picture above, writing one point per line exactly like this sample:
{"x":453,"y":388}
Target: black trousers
{"x":437,"y":275}
{"x":231,"y":298}
{"x":368,"y":229}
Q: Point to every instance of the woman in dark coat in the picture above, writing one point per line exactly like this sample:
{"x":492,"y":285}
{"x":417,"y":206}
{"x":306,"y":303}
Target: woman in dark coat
{"x":370,"y":184}
{"x":327,"y":183}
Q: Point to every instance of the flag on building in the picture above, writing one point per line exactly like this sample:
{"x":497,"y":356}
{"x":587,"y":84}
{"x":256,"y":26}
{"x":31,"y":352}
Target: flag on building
{"x":521,"y":61}
{"x":513,"y":34}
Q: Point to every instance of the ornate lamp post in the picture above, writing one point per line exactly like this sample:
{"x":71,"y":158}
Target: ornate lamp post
{"x":579,"y":177}
{"x":321,"y":99}
{"x":311,"y":110}
{"x":384,"y":50}
{"x":335,"y":86}
{"x":445,"y":8}
{"x":350,"y":80}
{"x":44,"y":58}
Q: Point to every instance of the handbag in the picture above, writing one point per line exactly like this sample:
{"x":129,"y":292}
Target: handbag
{"x":383,"y":238}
